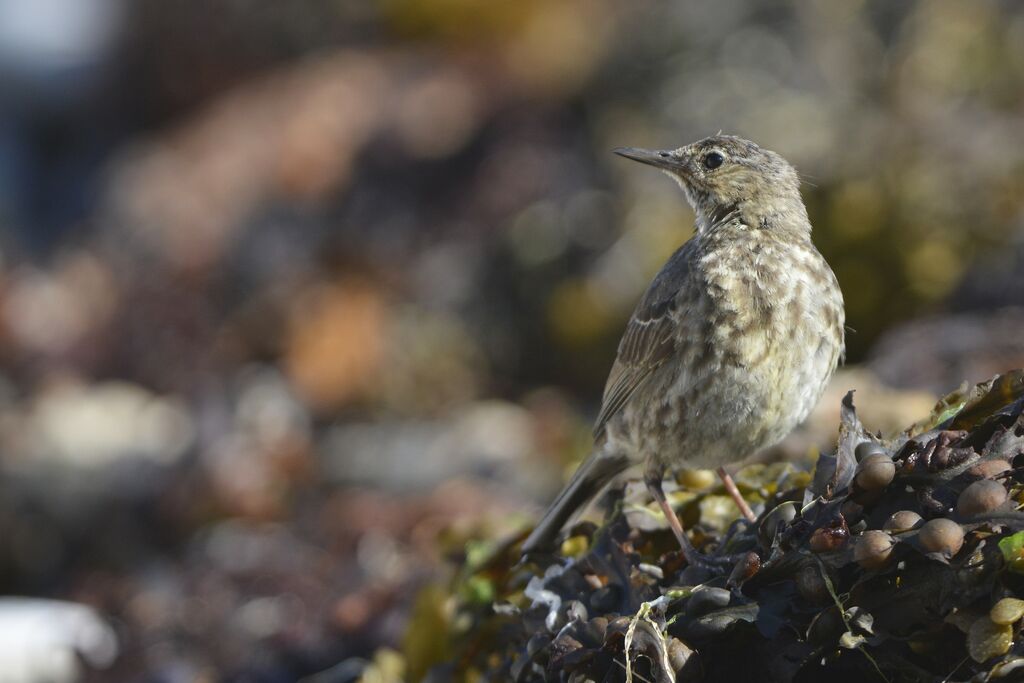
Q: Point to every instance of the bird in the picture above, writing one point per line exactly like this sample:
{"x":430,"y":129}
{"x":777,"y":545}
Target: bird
{"x":731,"y":345}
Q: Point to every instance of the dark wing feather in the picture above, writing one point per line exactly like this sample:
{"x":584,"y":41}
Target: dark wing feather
{"x":648,"y":340}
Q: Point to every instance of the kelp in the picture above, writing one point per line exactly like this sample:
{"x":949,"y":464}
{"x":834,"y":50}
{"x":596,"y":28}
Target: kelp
{"x":789,"y":602}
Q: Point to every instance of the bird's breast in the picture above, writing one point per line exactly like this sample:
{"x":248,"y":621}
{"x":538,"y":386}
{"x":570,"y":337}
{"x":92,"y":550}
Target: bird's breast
{"x":768,"y":304}
{"x":758,"y":347}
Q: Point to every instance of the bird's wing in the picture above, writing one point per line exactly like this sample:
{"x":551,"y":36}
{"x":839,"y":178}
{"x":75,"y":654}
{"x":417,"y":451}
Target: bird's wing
{"x":648,"y":340}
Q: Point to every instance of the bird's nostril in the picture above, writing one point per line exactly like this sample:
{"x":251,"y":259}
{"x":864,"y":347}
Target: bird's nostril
{"x":663,"y":155}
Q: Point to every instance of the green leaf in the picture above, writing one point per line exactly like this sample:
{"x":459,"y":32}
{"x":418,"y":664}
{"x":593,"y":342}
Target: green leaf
{"x":1013,"y":552}
{"x":479,"y":590}
{"x":479,"y":553}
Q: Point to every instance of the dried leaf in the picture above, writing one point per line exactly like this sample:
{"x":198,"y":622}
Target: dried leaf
{"x":851,"y":641}
{"x":1007,"y":611}
{"x":645,"y":629}
{"x":426,"y":640}
{"x":946,"y":407}
{"x":718,"y":512}
{"x":834,"y":473}
{"x":986,"y":640}
{"x":987,"y":398}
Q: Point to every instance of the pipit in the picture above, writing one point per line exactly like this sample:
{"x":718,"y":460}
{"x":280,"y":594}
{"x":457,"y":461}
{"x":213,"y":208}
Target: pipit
{"x":733,"y":342}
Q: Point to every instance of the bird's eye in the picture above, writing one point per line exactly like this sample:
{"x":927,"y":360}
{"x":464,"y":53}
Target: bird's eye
{"x":713,"y":160}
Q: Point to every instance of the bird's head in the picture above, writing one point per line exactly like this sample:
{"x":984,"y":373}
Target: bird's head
{"x":724,"y":172}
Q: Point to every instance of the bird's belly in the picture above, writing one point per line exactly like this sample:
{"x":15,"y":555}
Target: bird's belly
{"x":747,"y":400}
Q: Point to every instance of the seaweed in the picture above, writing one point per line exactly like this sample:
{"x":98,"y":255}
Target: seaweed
{"x":799,"y":603}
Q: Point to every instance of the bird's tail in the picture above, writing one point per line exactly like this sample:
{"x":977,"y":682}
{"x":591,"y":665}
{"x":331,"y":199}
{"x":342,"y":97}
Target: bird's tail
{"x":592,"y":476}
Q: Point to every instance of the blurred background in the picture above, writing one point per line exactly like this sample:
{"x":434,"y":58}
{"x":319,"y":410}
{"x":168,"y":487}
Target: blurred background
{"x":297,"y":298}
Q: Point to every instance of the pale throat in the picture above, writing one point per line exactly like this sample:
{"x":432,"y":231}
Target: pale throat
{"x":779,"y":213}
{"x":763,"y":209}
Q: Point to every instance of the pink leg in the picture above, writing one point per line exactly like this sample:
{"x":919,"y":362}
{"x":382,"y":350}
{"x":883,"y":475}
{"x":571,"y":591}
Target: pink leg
{"x":734,"y":492}
{"x":653,"y":479}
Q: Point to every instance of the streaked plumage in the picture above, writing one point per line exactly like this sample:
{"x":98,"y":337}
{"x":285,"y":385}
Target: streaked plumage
{"x":734,"y":340}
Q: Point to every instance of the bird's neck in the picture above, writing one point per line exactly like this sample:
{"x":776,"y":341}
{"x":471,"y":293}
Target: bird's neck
{"x":784,"y":215}
{"x":709,"y":220}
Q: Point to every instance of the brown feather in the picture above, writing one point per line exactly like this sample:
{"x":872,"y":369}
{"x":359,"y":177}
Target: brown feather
{"x":649,"y":337}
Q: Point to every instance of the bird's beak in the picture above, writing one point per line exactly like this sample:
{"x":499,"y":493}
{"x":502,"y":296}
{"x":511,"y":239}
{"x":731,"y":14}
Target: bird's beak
{"x":660,"y":158}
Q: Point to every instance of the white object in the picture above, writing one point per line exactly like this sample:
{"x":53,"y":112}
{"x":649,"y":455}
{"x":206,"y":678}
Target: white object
{"x":41,"y":640}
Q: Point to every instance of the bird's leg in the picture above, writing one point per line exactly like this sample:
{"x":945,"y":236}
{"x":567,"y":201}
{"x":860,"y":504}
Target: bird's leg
{"x":730,"y":487}
{"x":653,"y":476}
